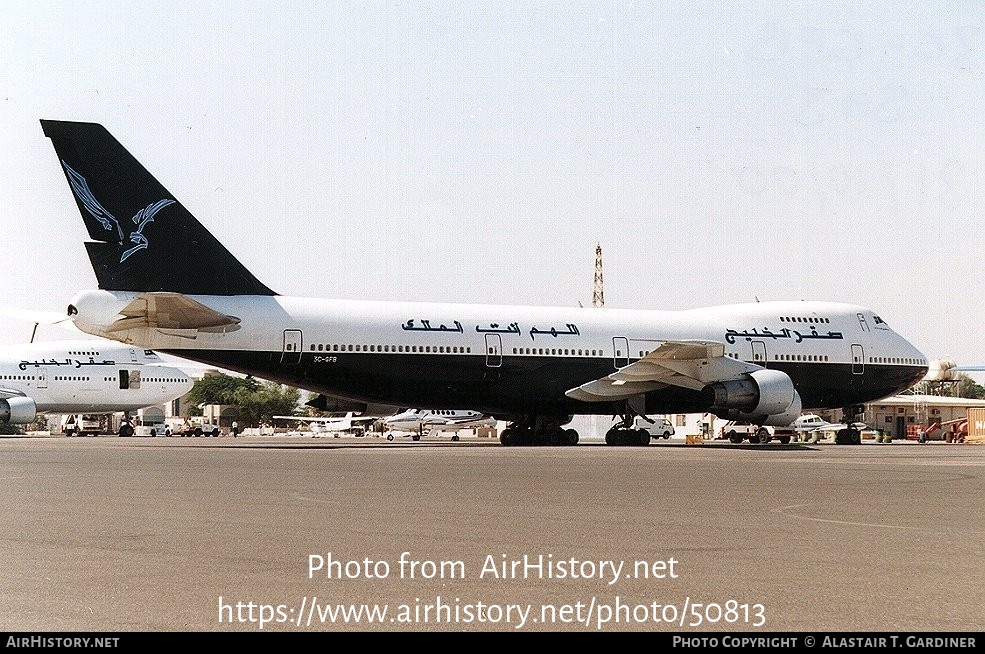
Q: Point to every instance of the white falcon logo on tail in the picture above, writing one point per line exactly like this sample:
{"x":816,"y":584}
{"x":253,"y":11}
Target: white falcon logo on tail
{"x":109,"y":222}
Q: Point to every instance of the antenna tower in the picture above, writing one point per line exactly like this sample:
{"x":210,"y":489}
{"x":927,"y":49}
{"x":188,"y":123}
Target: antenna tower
{"x":598,"y":297}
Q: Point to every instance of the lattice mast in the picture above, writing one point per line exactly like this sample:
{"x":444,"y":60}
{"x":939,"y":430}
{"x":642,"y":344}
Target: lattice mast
{"x":598,"y":297}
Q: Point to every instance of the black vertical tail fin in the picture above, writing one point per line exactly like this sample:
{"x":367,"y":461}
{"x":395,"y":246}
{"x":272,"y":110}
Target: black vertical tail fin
{"x":144,"y":239}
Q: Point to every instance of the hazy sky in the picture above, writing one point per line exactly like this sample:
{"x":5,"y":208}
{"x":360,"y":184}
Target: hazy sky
{"x":476,"y":152}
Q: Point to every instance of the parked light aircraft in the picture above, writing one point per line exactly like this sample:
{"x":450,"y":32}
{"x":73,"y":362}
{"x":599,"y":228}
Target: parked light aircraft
{"x":532,"y":366}
{"x":334,"y":426}
{"x":83,"y":376}
{"x":418,"y":421}
{"x":810,"y":422}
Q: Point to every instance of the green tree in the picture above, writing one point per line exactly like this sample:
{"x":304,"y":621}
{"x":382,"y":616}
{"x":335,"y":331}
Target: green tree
{"x":219,"y":388}
{"x":257,"y":401}
{"x":267,"y":400}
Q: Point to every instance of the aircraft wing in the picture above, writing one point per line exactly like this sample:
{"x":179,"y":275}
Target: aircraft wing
{"x":688,"y":364}
{"x":330,"y":421}
{"x":168,"y":311}
{"x":464,"y":420}
{"x":11,"y":392}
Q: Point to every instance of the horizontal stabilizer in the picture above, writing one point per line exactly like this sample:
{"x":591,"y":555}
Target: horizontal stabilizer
{"x":170,"y":311}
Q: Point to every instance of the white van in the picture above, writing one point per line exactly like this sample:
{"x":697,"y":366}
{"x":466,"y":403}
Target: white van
{"x":657,"y":427}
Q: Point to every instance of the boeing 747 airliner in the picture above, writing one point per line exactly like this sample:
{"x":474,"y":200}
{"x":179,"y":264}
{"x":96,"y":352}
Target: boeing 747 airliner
{"x":83,"y":376}
{"x":532,"y":366}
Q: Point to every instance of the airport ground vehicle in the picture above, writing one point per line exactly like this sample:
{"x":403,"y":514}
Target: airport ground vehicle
{"x":656,"y":427}
{"x":641,"y":430}
{"x":740,"y":431}
{"x":204,"y":429}
{"x":179,"y":427}
{"x":950,"y":431}
{"x":159,"y":429}
{"x":142,"y":428}
{"x":83,"y":424}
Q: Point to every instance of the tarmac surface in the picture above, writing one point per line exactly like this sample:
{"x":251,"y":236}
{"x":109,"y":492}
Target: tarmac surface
{"x":275,"y":534}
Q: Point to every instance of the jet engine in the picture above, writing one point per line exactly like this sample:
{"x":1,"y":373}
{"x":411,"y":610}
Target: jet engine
{"x":765,"y":397}
{"x":18,"y":410}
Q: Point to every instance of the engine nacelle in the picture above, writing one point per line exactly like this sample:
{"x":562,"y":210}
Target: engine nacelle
{"x":18,"y":410}
{"x":786,"y":418}
{"x":765,"y":397}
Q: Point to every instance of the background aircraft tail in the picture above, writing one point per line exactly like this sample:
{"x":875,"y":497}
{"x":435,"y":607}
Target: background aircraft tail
{"x":144,"y":239}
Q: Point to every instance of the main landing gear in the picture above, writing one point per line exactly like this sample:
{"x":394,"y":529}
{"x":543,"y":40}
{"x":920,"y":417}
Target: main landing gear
{"x":126,"y":427}
{"x":539,"y":430}
{"x":625,"y":434}
{"x":850,"y":435}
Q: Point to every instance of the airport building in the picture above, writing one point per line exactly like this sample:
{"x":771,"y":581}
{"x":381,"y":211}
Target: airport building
{"x":904,"y":416}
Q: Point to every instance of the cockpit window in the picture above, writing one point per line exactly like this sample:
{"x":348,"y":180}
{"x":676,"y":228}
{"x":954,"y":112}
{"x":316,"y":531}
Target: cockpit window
{"x":879,"y":323}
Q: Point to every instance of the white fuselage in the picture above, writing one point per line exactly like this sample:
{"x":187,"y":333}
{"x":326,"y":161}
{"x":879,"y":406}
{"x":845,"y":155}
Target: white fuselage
{"x":518,"y":359}
{"x":88,"y":376}
{"x":436,"y":420}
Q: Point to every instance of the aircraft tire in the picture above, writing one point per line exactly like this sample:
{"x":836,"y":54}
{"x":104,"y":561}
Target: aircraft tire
{"x":416,"y":437}
{"x":454,"y":437}
{"x":509,"y":437}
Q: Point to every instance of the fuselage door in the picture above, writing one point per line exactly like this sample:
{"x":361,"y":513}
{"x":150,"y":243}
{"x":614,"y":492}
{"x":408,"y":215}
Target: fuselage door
{"x":291,"y":355}
{"x":620,"y":351}
{"x":42,"y":378}
{"x":759,"y":353}
{"x":494,"y":351}
{"x":129,"y":379}
{"x":858,"y":359}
